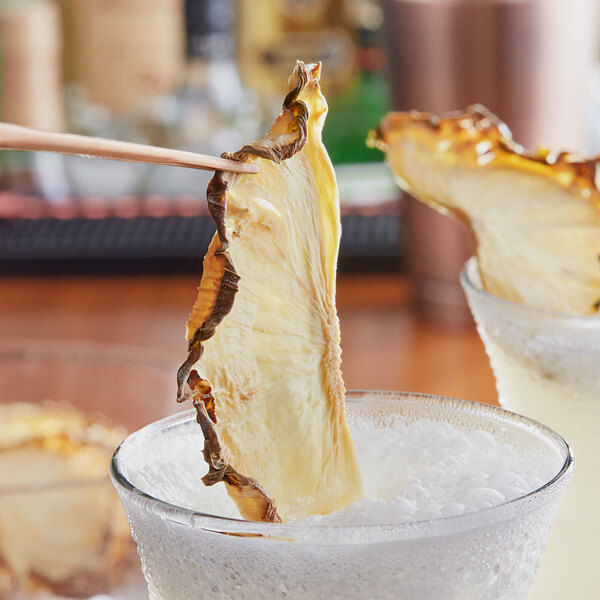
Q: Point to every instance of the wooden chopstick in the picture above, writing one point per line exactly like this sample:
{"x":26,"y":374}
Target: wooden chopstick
{"x":15,"y":137}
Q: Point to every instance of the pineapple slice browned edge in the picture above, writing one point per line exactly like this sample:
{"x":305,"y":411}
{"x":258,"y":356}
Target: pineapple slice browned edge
{"x":478,"y":138}
{"x":220,"y":281}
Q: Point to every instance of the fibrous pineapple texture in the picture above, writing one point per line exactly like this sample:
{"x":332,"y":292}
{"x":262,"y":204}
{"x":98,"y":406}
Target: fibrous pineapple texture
{"x":264,"y":362}
{"x":535,"y":216}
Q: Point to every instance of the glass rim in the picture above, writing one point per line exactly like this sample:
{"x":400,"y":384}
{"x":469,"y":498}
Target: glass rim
{"x":72,"y":351}
{"x":420,"y":529}
{"x":471,"y":285}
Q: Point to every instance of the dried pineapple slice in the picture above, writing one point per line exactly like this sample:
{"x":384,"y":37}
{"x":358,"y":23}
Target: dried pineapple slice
{"x":268,"y":390}
{"x":535,"y":216}
{"x":60,"y":524}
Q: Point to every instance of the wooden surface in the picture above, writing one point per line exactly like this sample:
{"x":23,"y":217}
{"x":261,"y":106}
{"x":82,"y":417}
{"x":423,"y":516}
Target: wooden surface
{"x":384,"y":344}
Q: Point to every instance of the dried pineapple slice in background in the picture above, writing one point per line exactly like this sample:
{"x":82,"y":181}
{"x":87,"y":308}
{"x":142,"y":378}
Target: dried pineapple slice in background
{"x":268,"y":386}
{"x":61,"y":527}
{"x":535,"y":216}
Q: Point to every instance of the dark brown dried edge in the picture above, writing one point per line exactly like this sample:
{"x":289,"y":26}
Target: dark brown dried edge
{"x":188,"y":380}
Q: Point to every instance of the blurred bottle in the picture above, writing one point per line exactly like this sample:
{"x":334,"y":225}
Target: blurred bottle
{"x":359,"y":106}
{"x":123,"y":61}
{"x":217,"y":112}
{"x":124,"y":53}
{"x":31,"y":91}
{"x":345,"y":36}
{"x":273,"y":34}
{"x":214,"y":112}
{"x":356,"y":108}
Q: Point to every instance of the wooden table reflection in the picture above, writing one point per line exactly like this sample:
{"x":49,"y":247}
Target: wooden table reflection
{"x":385,"y":345}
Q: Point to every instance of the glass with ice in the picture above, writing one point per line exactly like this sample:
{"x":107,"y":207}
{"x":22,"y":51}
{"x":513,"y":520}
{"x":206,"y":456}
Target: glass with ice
{"x":458,"y":500}
{"x":547,"y":366}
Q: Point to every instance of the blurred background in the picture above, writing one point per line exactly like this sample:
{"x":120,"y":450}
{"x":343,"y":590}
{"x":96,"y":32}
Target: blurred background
{"x":209,"y":76}
{"x":201,"y":75}
{"x":100,"y":260}
{"x":96,"y":248}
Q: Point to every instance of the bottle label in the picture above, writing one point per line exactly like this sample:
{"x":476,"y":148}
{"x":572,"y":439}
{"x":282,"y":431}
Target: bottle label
{"x":123,"y":51}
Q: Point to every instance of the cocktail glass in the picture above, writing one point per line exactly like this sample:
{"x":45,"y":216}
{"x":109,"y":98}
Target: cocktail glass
{"x":547,"y":366}
{"x":68,"y":538}
{"x":193,"y":553}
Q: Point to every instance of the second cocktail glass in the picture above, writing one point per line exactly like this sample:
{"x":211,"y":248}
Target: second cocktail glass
{"x":547,"y":366}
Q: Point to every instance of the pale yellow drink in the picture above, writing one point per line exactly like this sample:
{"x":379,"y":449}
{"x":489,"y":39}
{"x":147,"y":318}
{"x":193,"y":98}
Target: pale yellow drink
{"x":547,"y":366}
